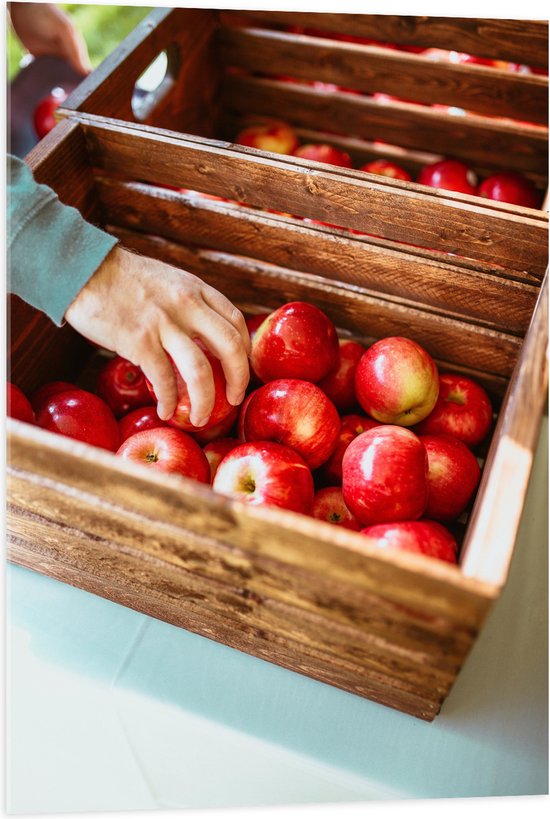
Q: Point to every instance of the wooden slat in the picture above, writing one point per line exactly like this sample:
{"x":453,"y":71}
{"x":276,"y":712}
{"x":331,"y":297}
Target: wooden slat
{"x":371,"y":69}
{"x":190,"y":219}
{"x":521,"y":41}
{"x":492,"y":533}
{"x":242,"y":279}
{"x":450,"y":222}
{"x":481,"y":140}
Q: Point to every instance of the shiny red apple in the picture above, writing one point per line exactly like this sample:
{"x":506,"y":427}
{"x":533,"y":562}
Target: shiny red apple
{"x":18,"y":405}
{"x":453,"y":476}
{"x":384,"y":167}
{"x":276,"y":137}
{"x":324,"y":153}
{"x":463,"y":409}
{"x":298,"y":340}
{"x":43,"y":394}
{"x":351,"y":426}
{"x":385,"y":475}
{"x":166,"y":449}
{"x":339,"y":382}
{"x":222,"y":429}
{"x":81,"y":415}
{"x":449,"y":175}
{"x":44,"y":114}
{"x":266,"y":472}
{"x":510,"y":187}
{"x":424,"y":537}
{"x":138,"y":420}
{"x":123,"y":386}
{"x":328,"y":505}
{"x":295,"y":413}
{"x":396,"y":381}
{"x":216,"y":450}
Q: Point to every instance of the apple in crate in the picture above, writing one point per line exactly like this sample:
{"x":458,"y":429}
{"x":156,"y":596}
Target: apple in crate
{"x":320,"y":152}
{"x":328,"y":505}
{"x":44,"y":114}
{"x":510,"y":187}
{"x":220,"y":430}
{"x":81,"y":415}
{"x":298,"y":340}
{"x":138,"y":420}
{"x":384,"y":167}
{"x":123,"y":386}
{"x":385,"y":475}
{"x":463,"y":409}
{"x":351,"y":426}
{"x":453,"y":476}
{"x":42,"y":394}
{"x":276,"y":137}
{"x":396,"y":381}
{"x":449,"y":175}
{"x":339,"y":382}
{"x":266,"y":473}
{"x":18,"y":405}
{"x":295,"y":413}
{"x":424,"y":537}
{"x":222,"y":408}
{"x":166,"y":449}
{"x":216,"y":450}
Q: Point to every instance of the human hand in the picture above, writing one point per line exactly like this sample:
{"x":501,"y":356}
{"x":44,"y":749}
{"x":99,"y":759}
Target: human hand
{"x":144,"y":309}
{"x":43,"y":28}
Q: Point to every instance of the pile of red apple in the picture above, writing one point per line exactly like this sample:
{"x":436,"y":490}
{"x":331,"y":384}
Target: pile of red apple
{"x":372,"y":439}
{"x":446,"y":174}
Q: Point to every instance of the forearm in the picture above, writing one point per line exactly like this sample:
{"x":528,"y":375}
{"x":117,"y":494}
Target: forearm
{"x":52,"y":250}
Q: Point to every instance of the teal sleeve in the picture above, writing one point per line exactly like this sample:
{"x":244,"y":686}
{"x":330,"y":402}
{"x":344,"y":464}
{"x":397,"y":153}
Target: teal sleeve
{"x":52,"y":250}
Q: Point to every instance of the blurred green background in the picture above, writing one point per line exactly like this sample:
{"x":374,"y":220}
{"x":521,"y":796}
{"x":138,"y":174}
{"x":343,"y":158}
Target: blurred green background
{"x":103,"y":27}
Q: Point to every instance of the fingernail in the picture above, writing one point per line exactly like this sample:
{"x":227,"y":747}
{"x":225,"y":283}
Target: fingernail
{"x":202,"y":423}
{"x":239,"y":400}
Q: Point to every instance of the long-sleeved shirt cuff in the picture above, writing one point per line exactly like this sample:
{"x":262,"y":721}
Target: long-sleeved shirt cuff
{"x":52,"y":250}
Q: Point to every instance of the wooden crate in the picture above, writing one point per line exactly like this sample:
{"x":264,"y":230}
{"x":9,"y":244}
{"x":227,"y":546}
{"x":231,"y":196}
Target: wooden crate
{"x":226,"y":70}
{"x":284,"y":587}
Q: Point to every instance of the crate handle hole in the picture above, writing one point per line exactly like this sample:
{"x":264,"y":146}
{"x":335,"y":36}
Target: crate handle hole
{"x":154,"y":83}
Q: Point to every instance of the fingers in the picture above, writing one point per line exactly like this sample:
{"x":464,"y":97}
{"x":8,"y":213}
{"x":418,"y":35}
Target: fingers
{"x":220,"y":304}
{"x":159,"y":371}
{"x":75,"y":48}
{"x":194,"y":368}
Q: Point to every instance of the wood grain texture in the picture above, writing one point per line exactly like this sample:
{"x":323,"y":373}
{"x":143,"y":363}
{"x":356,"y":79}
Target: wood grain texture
{"x":371,"y":69}
{"x":522,"y":41}
{"x":454,"y":223}
{"x":474,"y":138}
{"x":486,"y":296}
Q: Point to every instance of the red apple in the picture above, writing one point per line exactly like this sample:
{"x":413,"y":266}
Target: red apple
{"x":463,"y":409}
{"x":510,"y":187}
{"x":18,"y":405}
{"x":324,"y":153}
{"x":328,"y":505}
{"x":351,"y":426}
{"x":396,"y":381}
{"x":276,"y":137}
{"x":384,"y":167}
{"x":425,"y":537}
{"x":167,"y":450}
{"x":222,"y":408}
{"x":295,"y":413}
{"x":266,"y":472}
{"x":220,"y":430}
{"x":44,"y":113}
{"x":216,"y":450}
{"x":81,"y":415}
{"x":298,"y":340}
{"x":453,"y":476}
{"x":123,"y":386}
{"x":42,"y":395}
{"x":339,"y":382}
{"x":138,"y":420}
{"x":449,"y":175}
{"x":385,"y":475}
{"x":253,"y":322}
{"x":240,"y":419}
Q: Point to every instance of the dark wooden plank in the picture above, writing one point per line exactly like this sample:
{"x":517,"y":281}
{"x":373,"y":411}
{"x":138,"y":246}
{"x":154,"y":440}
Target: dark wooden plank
{"x":191,"y":219}
{"x":244,"y":280}
{"x":521,"y":41}
{"x":482,"y":140}
{"x":371,"y":69}
{"x":451,"y":222}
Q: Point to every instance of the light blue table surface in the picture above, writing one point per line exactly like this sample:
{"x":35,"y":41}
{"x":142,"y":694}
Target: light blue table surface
{"x":108,"y":709}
